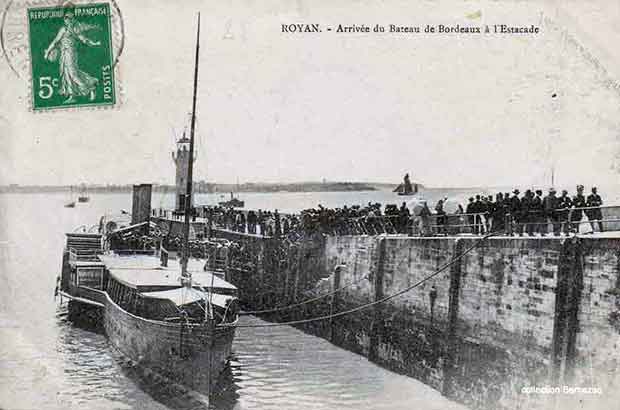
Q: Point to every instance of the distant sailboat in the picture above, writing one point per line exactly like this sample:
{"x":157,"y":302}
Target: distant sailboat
{"x":407,"y":188}
{"x":83,"y":195}
{"x":71,"y":202}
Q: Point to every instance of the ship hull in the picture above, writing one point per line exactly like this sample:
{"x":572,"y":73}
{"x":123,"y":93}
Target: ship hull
{"x":193,"y":356}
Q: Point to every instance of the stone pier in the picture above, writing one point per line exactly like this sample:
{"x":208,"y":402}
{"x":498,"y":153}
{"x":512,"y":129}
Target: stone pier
{"x":509,"y":313}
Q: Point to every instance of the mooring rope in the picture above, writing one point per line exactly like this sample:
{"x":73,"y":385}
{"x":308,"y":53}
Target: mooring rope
{"x":376,"y":302}
{"x":314,"y":299}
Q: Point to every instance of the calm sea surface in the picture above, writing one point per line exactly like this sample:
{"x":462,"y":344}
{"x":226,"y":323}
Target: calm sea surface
{"x":48,"y":363}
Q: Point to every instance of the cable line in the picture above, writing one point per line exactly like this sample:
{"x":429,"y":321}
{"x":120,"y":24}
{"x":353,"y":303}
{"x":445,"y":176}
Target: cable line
{"x":385,"y":299}
{"x":277,"y":309}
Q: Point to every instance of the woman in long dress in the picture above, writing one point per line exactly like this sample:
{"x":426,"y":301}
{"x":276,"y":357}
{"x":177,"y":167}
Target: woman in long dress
{"x":73,"y":81}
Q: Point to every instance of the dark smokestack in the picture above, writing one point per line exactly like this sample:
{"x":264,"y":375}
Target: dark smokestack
{"x":141,"y":208}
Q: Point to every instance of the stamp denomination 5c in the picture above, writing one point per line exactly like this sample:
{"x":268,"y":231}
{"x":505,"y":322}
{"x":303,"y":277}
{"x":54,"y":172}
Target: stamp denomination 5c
{"x":71,"y":56}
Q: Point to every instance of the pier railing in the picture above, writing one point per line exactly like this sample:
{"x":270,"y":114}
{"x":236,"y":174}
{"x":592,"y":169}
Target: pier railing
{"x":603,"y":218}
{"x":130,"y":252}
{"x":563,"y":220}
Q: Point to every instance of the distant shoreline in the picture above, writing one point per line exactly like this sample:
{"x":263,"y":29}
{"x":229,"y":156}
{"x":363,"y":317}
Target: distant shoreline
{"x":208,"y":188}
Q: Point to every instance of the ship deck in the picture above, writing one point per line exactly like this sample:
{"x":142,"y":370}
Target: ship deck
{"x":145,"y":271}
{"x":183,"y":295}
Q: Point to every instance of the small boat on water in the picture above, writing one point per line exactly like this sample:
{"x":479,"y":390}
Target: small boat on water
{"x":83,"y":197}
{"x":71,"y":201}
{"x":174,"y":317}
{"x":232,"y":202}
{"x":406,"y":188}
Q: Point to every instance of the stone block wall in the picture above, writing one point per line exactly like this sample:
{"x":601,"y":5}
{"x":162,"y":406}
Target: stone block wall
{"x":597,"y":344}
{"x":495,"y":316}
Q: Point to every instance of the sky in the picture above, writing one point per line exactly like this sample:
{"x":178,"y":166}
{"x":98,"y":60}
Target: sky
{"x":452,"y":110}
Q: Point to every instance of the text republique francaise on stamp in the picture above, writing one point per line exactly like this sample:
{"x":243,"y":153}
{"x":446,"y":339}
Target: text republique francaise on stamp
{"x":71,"y":56}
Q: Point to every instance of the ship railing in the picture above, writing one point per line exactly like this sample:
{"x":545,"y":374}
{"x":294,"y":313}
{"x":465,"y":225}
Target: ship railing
{"x":84,"y":255}
{"x":87,"y":229}
{"x":92,"y":294}
{"x":173,"y":215}
{"x":130,"y":252}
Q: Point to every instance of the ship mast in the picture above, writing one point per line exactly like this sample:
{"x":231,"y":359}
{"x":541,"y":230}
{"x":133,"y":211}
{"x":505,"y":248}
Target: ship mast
{"x":188,"y":191}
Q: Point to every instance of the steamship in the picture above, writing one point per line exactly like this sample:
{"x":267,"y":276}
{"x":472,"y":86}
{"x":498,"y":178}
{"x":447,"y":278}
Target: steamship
{"x":170,"y":315}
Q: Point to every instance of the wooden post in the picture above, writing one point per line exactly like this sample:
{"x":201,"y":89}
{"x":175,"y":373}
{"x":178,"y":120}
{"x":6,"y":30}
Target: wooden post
{"x":376,"y":329}
{"x":572,"y":312}
{"x":453,"y":313}
{"x":335,"y":299}
{"x":558,"y":343}
{"x":297,"y":271}
{"x":210,"y":324}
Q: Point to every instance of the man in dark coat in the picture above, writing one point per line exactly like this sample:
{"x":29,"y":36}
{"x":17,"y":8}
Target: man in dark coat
{"x":515,"y":210}
{"x":277,"y":223}
{"x":440,"y":216}
{"x":594,"y":200}
{"x":252,"y":222}
{"x":403,"y":218}
{"x":470,"y":209}
{"x":564,"y":204}
{"x":537,"y":214}
{"x":261,"y":222}
{"x":579,"y":201}
{"x":498,"y":213}
{"x":479,"y":209}
{"x":526,"y":213}
{"x":550,"y":204}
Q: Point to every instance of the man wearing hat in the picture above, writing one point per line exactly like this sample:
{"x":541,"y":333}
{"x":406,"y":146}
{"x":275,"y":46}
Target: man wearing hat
{"x":506,"y":211}
{"x":579,"y":202}
{"x":538,"y":214}
{"x":515,"y":211}
{"x":564,"y":204}
{"x":594,"y":200}
{"x":424,"y":219}
{"x":469,"y":210}
{"x":550,"y":204}
{"x":479,"y":208}
{"x":498,"y":213}
{"x":526,"y":214}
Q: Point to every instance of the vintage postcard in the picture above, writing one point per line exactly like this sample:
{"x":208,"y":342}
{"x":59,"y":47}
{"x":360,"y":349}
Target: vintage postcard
{"x":295,"y":204}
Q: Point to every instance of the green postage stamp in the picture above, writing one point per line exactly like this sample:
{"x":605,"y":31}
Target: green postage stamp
{"x":71,"y":56}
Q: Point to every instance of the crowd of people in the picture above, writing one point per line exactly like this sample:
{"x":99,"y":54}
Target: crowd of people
{"x":533,"y":213}
{"x":266,"y":223}
{"x":348,"y":220}
{"x":356,"y":219}
{"x":529,"y":213}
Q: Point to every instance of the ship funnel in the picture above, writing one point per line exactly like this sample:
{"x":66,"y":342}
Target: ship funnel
{"x":141,"y":208}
